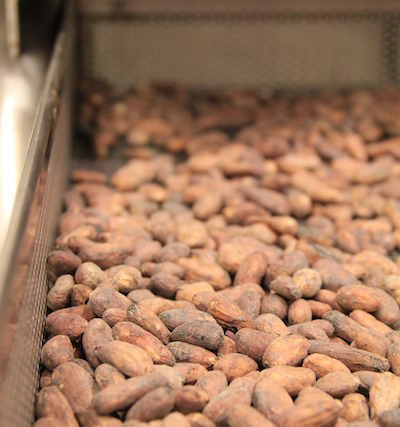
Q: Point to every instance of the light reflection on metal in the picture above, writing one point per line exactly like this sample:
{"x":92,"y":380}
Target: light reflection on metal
{"x":8,"y":172}
{"x":18,"y":95}
{"x":12,"y":28}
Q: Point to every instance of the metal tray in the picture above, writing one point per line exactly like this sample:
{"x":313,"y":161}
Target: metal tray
{"x":297,"y":45}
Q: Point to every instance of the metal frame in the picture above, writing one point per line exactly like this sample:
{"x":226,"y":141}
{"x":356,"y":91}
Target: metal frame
{"x":23,"y":281}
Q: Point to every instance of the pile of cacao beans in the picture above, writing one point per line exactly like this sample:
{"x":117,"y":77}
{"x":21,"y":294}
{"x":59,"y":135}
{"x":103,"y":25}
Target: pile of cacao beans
{"x":241,"y":268}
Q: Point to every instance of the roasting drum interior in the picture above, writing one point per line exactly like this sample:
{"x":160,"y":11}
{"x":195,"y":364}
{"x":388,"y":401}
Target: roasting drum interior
{"x":293,"y":46}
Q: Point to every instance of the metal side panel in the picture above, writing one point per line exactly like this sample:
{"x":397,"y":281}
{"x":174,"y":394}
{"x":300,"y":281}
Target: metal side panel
{"x":24,"y":60}
{"x":23,"y":270}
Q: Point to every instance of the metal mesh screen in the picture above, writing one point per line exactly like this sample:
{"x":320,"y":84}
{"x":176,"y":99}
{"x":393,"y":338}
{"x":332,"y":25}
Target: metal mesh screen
{"x":283,"y":50}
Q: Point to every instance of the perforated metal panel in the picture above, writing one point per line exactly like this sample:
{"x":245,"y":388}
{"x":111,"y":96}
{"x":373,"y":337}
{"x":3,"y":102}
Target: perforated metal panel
{"x":267,"y":50}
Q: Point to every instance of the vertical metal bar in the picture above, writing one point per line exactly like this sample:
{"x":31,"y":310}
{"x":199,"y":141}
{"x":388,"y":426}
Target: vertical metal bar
{"x":12,"y":28}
